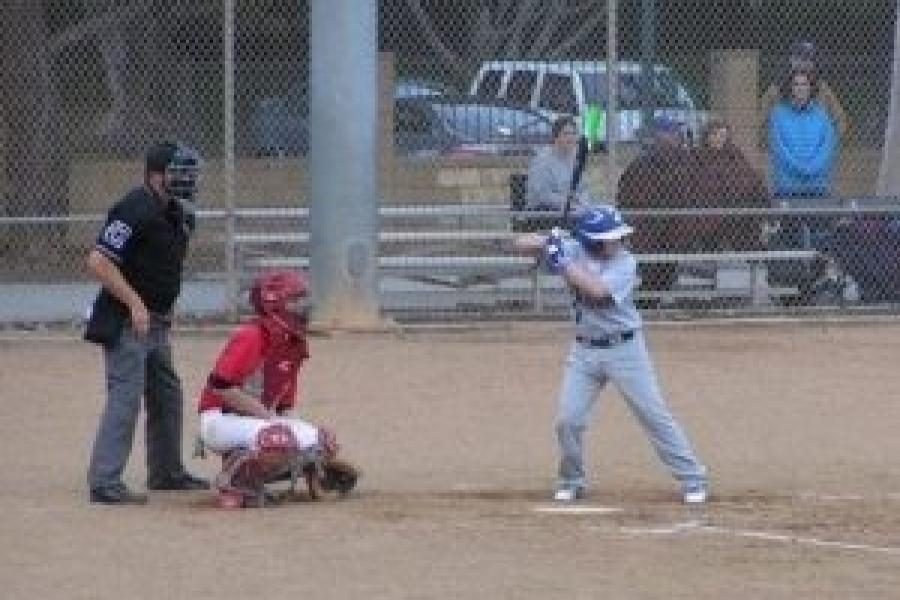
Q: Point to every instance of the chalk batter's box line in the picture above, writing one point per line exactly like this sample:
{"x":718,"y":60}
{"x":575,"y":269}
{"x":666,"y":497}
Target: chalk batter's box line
{"x":694,"y":526}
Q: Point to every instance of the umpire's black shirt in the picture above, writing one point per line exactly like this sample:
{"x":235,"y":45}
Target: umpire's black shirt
{"x":147,"y":239}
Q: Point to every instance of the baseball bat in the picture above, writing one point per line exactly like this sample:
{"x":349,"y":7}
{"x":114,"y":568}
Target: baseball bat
{"x":577,"y":171}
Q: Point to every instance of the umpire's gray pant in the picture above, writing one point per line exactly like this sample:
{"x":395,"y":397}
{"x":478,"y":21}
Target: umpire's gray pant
{"x":629,"y":367}
{"x":139,"y":366}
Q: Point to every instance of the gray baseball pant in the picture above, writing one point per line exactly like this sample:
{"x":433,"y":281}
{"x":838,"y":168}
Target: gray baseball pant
{"x":629,"y":367}
{"x":139,"y":366}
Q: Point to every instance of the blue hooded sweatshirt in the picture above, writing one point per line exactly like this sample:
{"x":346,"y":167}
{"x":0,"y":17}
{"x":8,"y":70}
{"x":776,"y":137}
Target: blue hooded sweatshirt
{"x":802,"y":149}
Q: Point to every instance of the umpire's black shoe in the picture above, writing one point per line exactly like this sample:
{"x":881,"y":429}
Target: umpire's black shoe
{"x":182,"y":482}
{"x":116,"y":496}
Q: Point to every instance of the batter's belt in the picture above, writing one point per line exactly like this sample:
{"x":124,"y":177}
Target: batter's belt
{"x":608,"y":341}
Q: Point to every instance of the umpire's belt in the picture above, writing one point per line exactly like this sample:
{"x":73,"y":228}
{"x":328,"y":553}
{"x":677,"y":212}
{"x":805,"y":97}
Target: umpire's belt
{"x":608,"y":341}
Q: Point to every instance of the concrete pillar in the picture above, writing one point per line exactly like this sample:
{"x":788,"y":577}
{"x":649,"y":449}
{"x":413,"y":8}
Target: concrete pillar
{"x":342,"y":163}
{"x":386,"y":150}
{"x":734,"y":95}
{"x":889,"y":174}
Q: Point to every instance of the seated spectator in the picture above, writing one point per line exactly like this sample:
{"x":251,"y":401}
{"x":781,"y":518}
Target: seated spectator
{"x":803,"y":58}
{"x":867,"y":251}
{"x":725,"y":178}
{"x":550,"y":171}
{"x":660,"y":177}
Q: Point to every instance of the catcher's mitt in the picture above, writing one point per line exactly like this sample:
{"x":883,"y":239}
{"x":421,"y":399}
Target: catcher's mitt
{"x":330,"y":476}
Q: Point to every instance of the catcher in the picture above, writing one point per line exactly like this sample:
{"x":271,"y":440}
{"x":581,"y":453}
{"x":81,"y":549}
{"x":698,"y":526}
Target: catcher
{"x":258,"y":443}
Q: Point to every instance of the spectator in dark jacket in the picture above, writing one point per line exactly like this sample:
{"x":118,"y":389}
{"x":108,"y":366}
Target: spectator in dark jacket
{"x":725,"y":178}
{"x":660,"y":178}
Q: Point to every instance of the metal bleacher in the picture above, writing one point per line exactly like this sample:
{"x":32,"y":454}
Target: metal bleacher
{"x":467,"y":250}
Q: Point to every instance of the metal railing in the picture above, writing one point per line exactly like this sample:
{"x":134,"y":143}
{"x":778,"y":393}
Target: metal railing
{"x":447,"y":261}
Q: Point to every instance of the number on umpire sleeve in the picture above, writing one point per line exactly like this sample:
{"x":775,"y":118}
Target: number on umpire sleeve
{"x":116,"y":234}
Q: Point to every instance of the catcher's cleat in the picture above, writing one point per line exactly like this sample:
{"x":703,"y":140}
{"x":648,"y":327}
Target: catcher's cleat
{"x":235,"y":498}
{"x":230,"y":499}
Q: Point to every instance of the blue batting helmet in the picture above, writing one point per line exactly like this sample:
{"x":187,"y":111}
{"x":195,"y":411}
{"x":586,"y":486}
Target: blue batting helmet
{"x":600,"y":224}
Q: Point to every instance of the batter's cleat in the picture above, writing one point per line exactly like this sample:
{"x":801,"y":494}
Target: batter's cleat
{"x":696,"y":493}
{"x":568,"y":494}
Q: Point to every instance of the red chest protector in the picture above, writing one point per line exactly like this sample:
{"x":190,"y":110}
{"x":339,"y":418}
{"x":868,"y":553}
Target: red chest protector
{"x":285,"y":349}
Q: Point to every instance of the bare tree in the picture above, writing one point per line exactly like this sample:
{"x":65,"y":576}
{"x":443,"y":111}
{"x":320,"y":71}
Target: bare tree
{"x":516,"y":29}
{"x":126,"y":34}
{"x":109,"y":31}
{"x":36,"y":162}
{"x":889,"y":176}
{"x":36,"y":149}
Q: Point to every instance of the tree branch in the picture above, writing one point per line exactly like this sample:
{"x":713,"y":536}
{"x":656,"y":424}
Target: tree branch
{"x":524,"y":15}
{"x":433,"y":38}
{"x":484,"y":37}
{"x":540,"y":46}
{"x":587,"y":27}
{"x":94,"y":26}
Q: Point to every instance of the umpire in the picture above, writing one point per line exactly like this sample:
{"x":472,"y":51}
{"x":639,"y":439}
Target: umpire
{"x":138,"y":260}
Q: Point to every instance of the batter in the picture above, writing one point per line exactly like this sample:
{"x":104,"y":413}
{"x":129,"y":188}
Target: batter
{"x":609,"y":346}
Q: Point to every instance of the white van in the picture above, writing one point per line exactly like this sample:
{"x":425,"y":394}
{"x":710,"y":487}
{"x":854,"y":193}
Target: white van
{"x":568,"y":87}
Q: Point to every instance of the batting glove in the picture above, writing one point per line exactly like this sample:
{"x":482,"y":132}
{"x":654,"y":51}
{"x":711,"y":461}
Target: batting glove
{"x":554,"y":252}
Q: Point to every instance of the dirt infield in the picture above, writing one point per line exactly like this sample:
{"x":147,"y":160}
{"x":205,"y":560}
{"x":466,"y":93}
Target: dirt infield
{"x":454,"y":434}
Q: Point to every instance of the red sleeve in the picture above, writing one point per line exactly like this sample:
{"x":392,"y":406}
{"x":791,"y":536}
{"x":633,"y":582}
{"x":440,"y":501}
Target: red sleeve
{"x":241,"y":355}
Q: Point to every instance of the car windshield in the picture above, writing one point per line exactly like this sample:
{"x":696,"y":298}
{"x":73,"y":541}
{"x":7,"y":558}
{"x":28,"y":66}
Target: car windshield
{"x":479,"y":122}
{"x":665,"y":90}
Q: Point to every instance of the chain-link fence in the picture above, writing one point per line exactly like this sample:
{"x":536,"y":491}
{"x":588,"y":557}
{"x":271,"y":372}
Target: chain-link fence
{"x":745,"y":196}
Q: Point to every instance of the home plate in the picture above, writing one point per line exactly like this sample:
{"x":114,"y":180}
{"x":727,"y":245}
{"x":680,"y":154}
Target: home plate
{"x":577,"y":509}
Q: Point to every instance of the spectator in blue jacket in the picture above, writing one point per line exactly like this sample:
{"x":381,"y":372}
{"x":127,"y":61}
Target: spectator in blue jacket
{"x":802,"y":141}
{"x":802,"y":151}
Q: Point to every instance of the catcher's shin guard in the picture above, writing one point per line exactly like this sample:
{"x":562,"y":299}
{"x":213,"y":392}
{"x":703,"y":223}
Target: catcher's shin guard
{"x":242,"y":481}
{"x":239,"y":483}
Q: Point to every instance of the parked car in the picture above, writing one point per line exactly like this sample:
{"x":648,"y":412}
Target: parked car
{"x":463,"y":126}
{"x":569,"y":87}
{"x":279,"y":126}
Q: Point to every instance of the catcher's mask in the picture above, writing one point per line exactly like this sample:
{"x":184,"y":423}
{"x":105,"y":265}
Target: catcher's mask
{"x":274,"y":296}
{"x":180,"y":166}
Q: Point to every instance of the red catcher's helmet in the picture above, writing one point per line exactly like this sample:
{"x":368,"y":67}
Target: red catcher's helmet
{"x":272,"y":291}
